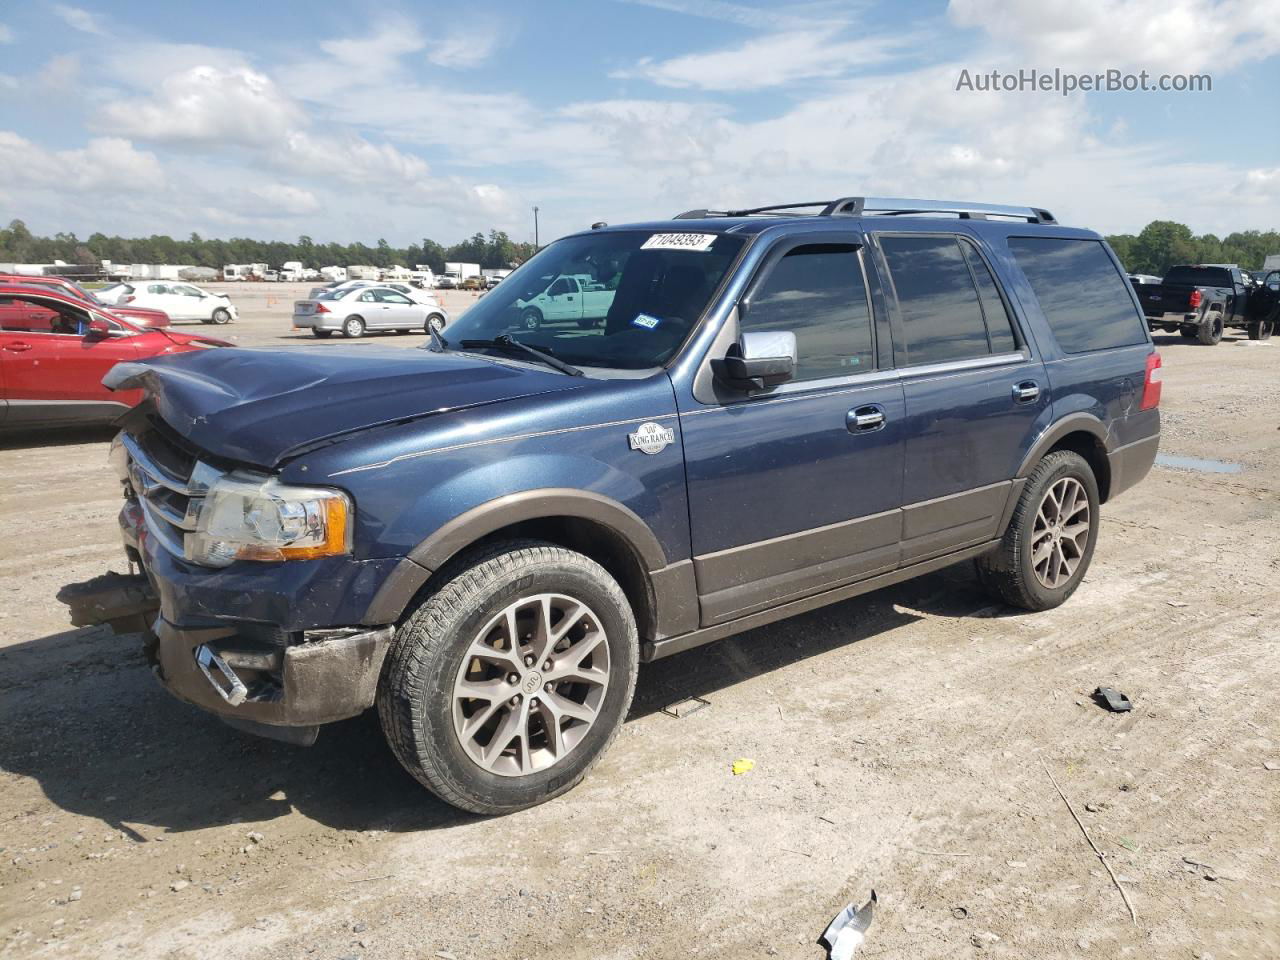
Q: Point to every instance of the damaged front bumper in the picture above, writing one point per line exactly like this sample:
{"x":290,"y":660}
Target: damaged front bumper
{"x":271,"y":675}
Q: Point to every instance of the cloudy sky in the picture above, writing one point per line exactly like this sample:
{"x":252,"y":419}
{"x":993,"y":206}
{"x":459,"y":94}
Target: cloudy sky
{"x":351,"y":121}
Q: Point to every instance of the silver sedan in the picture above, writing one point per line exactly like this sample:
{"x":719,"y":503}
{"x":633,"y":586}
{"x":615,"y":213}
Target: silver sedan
{"x":355,"y":311}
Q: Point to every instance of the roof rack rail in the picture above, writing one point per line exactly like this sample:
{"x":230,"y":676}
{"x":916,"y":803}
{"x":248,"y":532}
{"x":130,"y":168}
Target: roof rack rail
{"x":886,"y":206}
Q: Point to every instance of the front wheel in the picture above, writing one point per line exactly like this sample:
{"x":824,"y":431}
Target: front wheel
{"x":1260,"y":330}
{"x":221,"y":315}
{"x":353,"y":328}
{"x":510,"y":680}
{"x":1049,"y":543}
{"x":531,"y":319}
{"x":433,"y":320}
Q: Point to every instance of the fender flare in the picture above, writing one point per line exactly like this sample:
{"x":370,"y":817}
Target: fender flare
{"x":1072,"y":423}
{"x":480,"y":521}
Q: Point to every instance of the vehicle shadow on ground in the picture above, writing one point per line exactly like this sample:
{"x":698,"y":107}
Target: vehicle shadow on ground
{"x":28,"y":439}
{"x":84,"y":717}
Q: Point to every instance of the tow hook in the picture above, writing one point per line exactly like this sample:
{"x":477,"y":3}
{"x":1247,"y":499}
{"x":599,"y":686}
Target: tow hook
{"x":231,"y":688}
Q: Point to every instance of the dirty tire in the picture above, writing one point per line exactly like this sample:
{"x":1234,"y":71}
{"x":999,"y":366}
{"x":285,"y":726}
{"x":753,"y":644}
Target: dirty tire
{"x":1007,"y":571}
{"x":1210,"y":332}
{"x":353,"y":328}
{"x":416,"y":690}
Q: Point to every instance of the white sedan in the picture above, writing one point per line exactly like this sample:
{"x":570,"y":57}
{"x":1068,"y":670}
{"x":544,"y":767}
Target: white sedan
{"x":425,"y":297}
{"x":181,"y":301}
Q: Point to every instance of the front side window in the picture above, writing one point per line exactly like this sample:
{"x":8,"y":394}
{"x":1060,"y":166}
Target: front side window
{"x":938,"y":302}
{"x":649,"y":290}
{"x":157,"y":288}
{"x":817,"y":292}
{"x":1085,"y":299}
{"x":29,"y":315}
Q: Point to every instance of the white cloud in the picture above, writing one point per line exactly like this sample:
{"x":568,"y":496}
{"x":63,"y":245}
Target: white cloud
{"x":8,"y":82}
{"x":206,"y":104}
{"x":774,"y":17}
{"x":770,"y":61}
{"x":1171,"y":35}
{"x":60,"y":73}
{"x":79,"y":19}
{"x":6,"y":33}
{"x":467,"y":47}
{"x":109,"y":163}
{"x":280,"y":199}
{"x":376,"y":51}
{"x":347,"y":157}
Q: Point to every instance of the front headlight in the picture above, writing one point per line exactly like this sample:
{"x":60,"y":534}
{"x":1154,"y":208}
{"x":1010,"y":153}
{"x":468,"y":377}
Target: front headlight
{"x":245,"y":518}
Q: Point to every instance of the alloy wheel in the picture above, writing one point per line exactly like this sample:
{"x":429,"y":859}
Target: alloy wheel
{"x":531,"y":684}
{"x":1061,"y":532}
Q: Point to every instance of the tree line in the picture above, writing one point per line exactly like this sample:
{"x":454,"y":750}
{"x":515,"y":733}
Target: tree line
{"x":1160,"y":245}
{"x":20,"y":245}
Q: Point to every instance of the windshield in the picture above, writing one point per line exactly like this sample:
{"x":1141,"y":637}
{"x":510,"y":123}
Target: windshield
{"x":624,"y":299}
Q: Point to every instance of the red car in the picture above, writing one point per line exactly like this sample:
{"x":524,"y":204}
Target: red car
{"x":138,"y":316}
{"x":55,"y":350}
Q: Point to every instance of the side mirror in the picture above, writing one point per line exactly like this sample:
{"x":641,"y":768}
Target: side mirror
{"x":99,"y":329}
{"x":762,"y":359}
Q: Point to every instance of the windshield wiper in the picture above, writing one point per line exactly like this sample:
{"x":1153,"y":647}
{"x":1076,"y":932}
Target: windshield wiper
{"x":505,"y":341}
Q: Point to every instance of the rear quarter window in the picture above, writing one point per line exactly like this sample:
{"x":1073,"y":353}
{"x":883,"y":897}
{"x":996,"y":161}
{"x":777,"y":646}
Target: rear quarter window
{"x":1082,"y":295}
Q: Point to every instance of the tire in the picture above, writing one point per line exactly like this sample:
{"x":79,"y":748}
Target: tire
{"x":321,"y":334}
{"x":353,"y":328}
{"x":1209,"y":333}
{"x":433,"y":652}
{"x":531,"y":319}
{"x":433,"y":318}
{"x":1260,"y":330}
{"x":1010,"y":571}
{"x":220,"y":316}
{"x":1189,"y":331}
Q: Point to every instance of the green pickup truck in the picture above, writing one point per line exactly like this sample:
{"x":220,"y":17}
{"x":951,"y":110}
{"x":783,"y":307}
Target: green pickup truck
{"x":575,"y":297}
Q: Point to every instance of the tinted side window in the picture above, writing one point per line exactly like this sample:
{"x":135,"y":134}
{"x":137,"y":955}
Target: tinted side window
{"x":817,"y":293}
{"x":999,"y":323}
{"x":1081,"y":293}
{"x":941,"y":316}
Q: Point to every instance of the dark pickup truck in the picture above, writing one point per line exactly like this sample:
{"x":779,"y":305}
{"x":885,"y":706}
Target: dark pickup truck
{"x":1201,"y":302}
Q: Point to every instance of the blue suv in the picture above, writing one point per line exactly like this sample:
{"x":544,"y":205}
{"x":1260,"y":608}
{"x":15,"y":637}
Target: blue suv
{"x":749,"y":414}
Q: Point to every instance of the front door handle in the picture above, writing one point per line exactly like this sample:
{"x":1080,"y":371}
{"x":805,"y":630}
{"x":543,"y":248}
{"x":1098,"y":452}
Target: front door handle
{"x":1028,"y":391}
{"x":865,"y":419}
{"x":18,"y":347}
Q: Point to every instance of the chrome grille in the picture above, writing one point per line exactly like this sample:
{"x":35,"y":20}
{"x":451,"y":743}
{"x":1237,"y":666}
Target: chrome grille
{"x":170,"y":485}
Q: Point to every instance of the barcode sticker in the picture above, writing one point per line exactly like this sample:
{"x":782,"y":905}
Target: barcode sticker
{"x":680,"y":241}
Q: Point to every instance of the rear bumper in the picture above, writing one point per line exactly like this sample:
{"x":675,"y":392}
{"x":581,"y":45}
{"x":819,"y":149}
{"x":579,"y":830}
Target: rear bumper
{"x":314,"y":321}
{"x":1132,"y":462}
{"x":1175,"y":318}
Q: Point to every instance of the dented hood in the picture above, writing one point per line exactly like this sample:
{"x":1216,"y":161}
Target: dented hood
{"x":262,"y":407}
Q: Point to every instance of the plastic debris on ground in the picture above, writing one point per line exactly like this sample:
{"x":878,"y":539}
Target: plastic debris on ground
{"x":742,"y":766}
{"x":1113,"y":700}
{"x":848,"y":930}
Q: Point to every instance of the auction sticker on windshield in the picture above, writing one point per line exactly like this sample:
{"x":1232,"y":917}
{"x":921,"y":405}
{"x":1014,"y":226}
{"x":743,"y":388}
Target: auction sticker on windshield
{"x":680,"y":241}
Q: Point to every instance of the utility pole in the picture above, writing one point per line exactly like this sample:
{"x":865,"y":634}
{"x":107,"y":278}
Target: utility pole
{"x":535,"y":228}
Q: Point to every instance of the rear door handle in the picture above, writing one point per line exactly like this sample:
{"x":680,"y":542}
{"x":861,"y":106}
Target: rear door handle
{"x":865,"y":419}
{"x":18,"y":347}
{"x":1028,"y":391}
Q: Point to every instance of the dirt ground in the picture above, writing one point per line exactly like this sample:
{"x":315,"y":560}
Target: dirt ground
{"x":902,"y":741}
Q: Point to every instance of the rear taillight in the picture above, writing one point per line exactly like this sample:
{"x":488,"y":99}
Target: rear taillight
{"x":1152,"y":381}
{"x":128,"y":299}
{"x":1195,"y":298}
{"x":321,"y":308}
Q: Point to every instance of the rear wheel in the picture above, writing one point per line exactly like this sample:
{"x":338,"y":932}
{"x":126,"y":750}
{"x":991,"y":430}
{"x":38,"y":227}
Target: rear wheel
{"x":1210,"y":332}
{"x":321,"y":334}
{"x":1049,"y":543}
{"x":509,"y":681}
{"x":1261,"y":330}
{"x":353,"y":328}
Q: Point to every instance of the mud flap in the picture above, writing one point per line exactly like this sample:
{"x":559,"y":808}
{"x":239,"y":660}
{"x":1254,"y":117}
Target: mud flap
{"x":124,"y":602}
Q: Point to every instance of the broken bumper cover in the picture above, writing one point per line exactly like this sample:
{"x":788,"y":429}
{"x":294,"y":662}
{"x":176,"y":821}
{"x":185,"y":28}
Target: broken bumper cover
{"x":331,"y":675}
